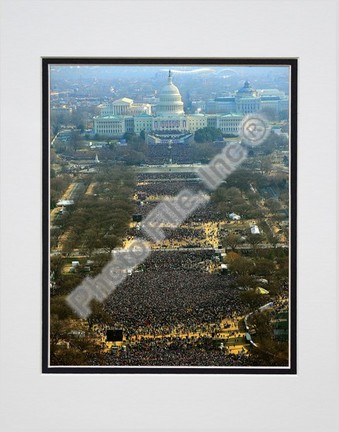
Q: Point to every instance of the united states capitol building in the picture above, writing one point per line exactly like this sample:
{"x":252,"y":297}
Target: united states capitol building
{"x":167,"y":120}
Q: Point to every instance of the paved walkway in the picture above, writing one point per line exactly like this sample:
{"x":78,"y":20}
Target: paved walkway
{"x":90,"y":188}
{"x":66,"y":195}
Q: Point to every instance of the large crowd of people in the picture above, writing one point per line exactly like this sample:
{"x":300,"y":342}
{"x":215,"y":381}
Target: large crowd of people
{"x":179,"y":237}
{"x":169,"y":187}
{"x":161,"y":153}
{"x":166,"y":176}
{"x":152,"y":188}
{"x":172,"y":352}
{"x":172,"y":292}
{"x":205,"y":213}
{"x":172,"y":305}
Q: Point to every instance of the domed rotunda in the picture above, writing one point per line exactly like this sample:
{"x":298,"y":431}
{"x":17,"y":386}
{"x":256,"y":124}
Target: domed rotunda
{"x":170,"y":101}
{"x":246,"y":91}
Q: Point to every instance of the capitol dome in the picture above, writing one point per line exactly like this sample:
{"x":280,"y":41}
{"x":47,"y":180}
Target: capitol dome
{"x":170,"y":101}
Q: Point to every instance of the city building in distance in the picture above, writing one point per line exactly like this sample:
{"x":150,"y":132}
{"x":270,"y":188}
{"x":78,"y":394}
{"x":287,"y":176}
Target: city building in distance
{"x":167,"y":116}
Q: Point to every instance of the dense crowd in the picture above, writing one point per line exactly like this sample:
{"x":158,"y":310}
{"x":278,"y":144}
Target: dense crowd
{"x":171,"y":307}
{"x":207,"y":213}
{"x":169,"y":187}
{"x":182,"y":260}
{"x":161,"y":153}
{"x":166,"y":176}
{"x":171,"y":352}
{"x":145,"y":207}
{"x":178,"y":237}
{"x":189,"y":235}
{"x":150,"y":192}
{"x":172,"y":292}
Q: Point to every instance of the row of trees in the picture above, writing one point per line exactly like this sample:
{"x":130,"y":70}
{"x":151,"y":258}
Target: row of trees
{"x":101,"y":219}
{"x":202,"y":149}
{"x":96,"y":225}
{"x":238,"y":195}
{"x":231,"y":199}
{"x":79,"y":117}
{"x":58,"y":185}
{"x":270,"y":351}
{"x":66,"y":348}
{"x":269,"y":269}
{"x":207,"y":134}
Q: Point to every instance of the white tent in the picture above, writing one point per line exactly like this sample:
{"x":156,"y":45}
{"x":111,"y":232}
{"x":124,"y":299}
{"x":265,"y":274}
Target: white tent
{"x":255,"y":229}
{"x":234,"y":216}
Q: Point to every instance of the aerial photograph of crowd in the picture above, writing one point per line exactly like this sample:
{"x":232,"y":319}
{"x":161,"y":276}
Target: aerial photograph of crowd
{"x":215,"y":291}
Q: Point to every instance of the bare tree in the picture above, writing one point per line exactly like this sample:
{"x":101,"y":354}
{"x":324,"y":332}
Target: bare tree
{"x":232,"y":241}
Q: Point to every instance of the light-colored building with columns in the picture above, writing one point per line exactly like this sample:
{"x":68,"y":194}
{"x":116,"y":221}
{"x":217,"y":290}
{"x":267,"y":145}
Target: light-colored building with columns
{"x":124,"y":115}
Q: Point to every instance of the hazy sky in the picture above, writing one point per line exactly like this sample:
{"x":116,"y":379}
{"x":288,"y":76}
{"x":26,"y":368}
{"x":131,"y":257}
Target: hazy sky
{"x":147,"y":71}
{"x":205,"y":80}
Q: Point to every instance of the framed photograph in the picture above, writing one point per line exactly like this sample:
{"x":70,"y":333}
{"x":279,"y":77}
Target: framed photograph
{"x":169,"y":215}
{"x":168,"y":257}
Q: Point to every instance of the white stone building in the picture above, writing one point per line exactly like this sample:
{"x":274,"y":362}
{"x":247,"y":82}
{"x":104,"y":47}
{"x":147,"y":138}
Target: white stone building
{"x":248,"y":100}
{"x":124,"y":115}
{"x":229,"y":124}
